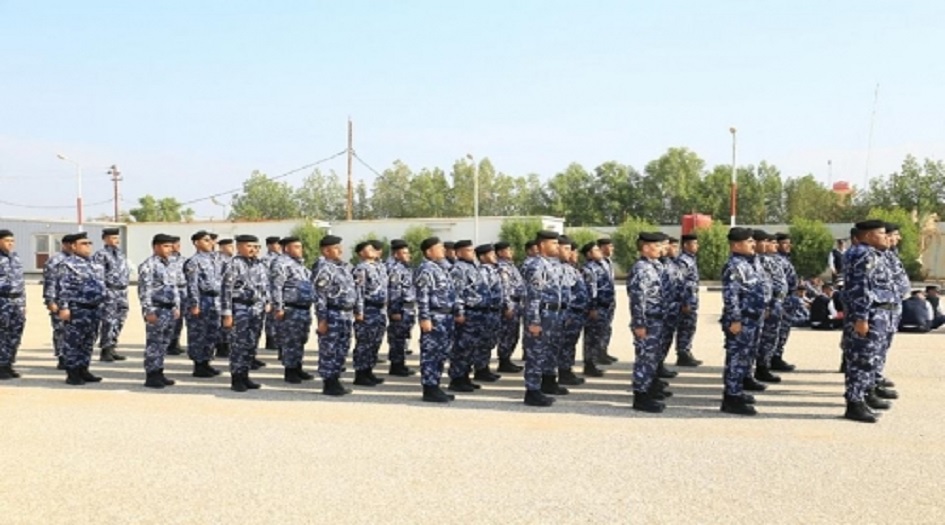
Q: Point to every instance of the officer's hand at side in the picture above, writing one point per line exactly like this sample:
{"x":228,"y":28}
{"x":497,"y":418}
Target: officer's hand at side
{"x":460,"y":319}
{"x":268,"y":308}
{"x":359,"y":318}
{"x":862,"y":327}
{"x":396,"y":317}
{"x":227,"y":321}
{"x":534,"y":329}
{"x":639,"y":332}
{"x":65,"y":315}
{"x":195,"y":311}
{"x":280,"y":315}
{"x":426,"y":326}
{"x":322,"y":327}
{"x":735,"y":328}
{"x":592,"y":314}
{"x":151,"y":318}
{"x":52,"y":308}
{"x":686,"y":310}
{"x":510,"y":313}
{"x":176,"y":313}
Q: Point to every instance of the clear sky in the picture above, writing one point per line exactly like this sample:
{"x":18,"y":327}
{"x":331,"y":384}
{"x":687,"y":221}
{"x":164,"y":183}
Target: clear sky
{"x":189,"y":96}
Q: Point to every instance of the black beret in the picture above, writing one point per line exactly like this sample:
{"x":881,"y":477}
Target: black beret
{"x":782,"y":237}
{"x":663,"y":237}
{"x":398,"y":244}
{"x":673,"y":240}
{"x":465,"y":243}
{"x":530,"y":244}
{"x":68,"y":238}
{"x":272,"y":239}
{"x":449,"y":245}
{"x":573,"y":244}
{"x":588,"y":247}
{"x":225,"y":242}
{"x":213,"y":235}
{"x":545,"y":235}
{"x":200,"y":234}
{"x":5,"y":233}
{"x":80,"y":236}
{"x":361,"y":245}
{"x":873,"y":224}
{"x":891,"y":227}
{"x":738,"y":234}
{"x":161,"y":238}
{"x":931,"y":287}
{"x":690,"y":237}
{"x":288,"y":240}
{"x":759,"y":235}
{"x":247,"y":238}
{"x":110,"y":231}
{"x":483,"y":249}
{"x":329,"y":240}
{"x":429,"y":242}
{"x":604,"y":242}
{"x":564,"y":239}
{"x":501,"y":245}
{"x":854,"y":232}
{"x":647,"y":237}
{"x":376,"y":244}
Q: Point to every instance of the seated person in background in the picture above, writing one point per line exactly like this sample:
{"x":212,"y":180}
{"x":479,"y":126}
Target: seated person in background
{"x":814,"y":285}
{"x":932,"y":296}
{"x":916,"y":314}
{"x":826,"y":312}
{"x":797,"y":308}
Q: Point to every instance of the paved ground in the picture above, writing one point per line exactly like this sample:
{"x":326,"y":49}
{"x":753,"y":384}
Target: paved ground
{"x":198,"y":453}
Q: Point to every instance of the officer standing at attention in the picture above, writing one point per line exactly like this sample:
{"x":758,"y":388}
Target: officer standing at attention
{"x":743,"y":309}
{"x":471,"y":296}
{"x":590,"y":274}
{"x":12,"y":304}
{"x":202,"y":305}
{"x":883,"y":387}
{"x":244,"y":303}
{"x":292,"y":297}
{"x":494,"y":307}
{"x":370,"y":321}
{"x":50,"y":295}
{"x":542,"y":319}
{"x":689,"y":311}
{"x":80,"y":286}
{"x":335,"y":298}
{"x":595,"y":331}
{"x":449,"y":259}
{"x":177,"y":269}
{"x":115,"y":311}
{"x":644,"y":287}
{"x":575,"y":316}
{"x":436,"y":304}
{"x":770,"y":331}
{"x":672,"y":305}
{"x":223,"y":256}
{"x":778,"y":364}
{"x":510,"y":328}
{"x":606,"y":261}
{"x":401,"y":307}
{"x":160,"y":301}
{"x":273,"y":251}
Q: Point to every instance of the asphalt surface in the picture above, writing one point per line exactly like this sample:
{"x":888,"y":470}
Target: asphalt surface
{"x":199,"y":453}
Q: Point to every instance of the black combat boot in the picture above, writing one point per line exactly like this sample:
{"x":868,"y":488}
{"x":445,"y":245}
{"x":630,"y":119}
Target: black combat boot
{"x":363,"y":378}
{"x":535,"y":398}
{"x":751,"y":385}
{"x":549,"y":385}
{"x":485,"y":375}
{"x":687,"y":359}
{"x":257,"y":364}
{"x":333,"y":387}
{"x":591,"y":370}
{"x":377,"y":380}
{"x":202,"y":369}
{"x":5,"y":373}
{"x":843,"y":365}
{"x":461,"y":384}
{"x":270,"y":344}
{"x":165,"y":379}
{"x":476,"y":386}
{"x":174,"y":348}
{"x":778,"y":364}
{"x":763,"y":373}
{"x":858,"y":411}
{"x":292,"y":375}
{"x":13,"y":372}
{"x":115,"y":355}
{"x":875,"y":401}
{"x":105,"y":356}
{"x":400,"y":370}
{"x":644,"y":402}
{"x":606,"y":360}
{"x":223,"y":350}
{"x":250,"y":384}
{"x":87,"y":376}
{"x":74,"y":377}
{"x":659,"y":392}
{"x":737,"y":405}
{"x":433,"y":394}
{"x":303,"y":374}
{"x":236,"y":382}
{"x":566,"y":376}
{"x":61,"y":365}
{"x":886,"y":393}
{"x":750,"y":399}
{"x":153,"y":380}
{"x":886,"y":382}
{"x":665,"y":373}
{"x":506,"y":365}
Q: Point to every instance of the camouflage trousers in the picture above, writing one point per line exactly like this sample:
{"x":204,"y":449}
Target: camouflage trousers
{"x":368,"y":336}
{"x":541,"y":351}
{"x":333,"y":346}
{"x":292,"y":333}
{"x":482,"y":355}
{"x":894,"y":318}
{"x":56,"y":324}
{"x":571,"y":328}
{"x":179,"y":323}
{"x":203,"y":331}
{"x":247,"y":325}
{"x":12,"y":321}
{"x":114,"y":314}
{"x":667,"y":334}
{"x":157,"y":338}
{"x":398,"y":333}
{"x":435,"y":346}
{"x":471,"y":336}
{"x":783,"y":334}
{"x":739,"y":350}
{"x":78,"y":336}
{"x":509,"y":333}
{"x":685,"y":332}
{"x":862,"y":354}
{"x":595,"y":333}
{"x":770,"y":336}
{"x":648,"y":353}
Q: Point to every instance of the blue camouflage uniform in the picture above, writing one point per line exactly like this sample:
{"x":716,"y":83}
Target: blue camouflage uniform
{"x":269,"y":323}
{"x":510,"y":328}
{"x":335,"y":298}
{"x":222,"y":260}
{"x":115,"y":309}
{"x":575,"y":316}
{"x":370,"y":281}
{"x":645,"y":289}
{"x":796,"y":312}
{"x":401,"y":301}
{"x":544,"y":307}
{"x":596,"y":330}
{"x":50,"y":296}
{"x":869,"y":293}
{"x":177,"y":268}
{"x":474,"y":305}
{"x":790,"y":276}
{"x":672,"y":292}
{"x":204,"y":281}
{"x":293,"y":294}
{"x":495,"y":303}
{"x":159,"y":295}
{"x":244,"y":295}
{"x":851,"y":254}
{"x":436,"y":302}
{"x":80,"y":286}
{"x":686,"y":327}
{"x":775,"y":276}
{"x":901,"y":286}
{"x":12,"y":306}
{"x":743,"y":301}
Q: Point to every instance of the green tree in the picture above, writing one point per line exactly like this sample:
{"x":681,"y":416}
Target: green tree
{"x":909,"y":245}
{"x":167,"y":209}
{"x":310,"y":235}
{"x":264,"y":199}
{"x":625,"y":241}
{"x":571,"y":194}
{"x":811,"y":242}
{"x":413,"y":236}
{"x":362,"y":203}
{"x":431,"y":195}
{"x":582,"y":236}
{"x":322,"y":196}
{"x":517,"y":232}
{"x":713,"y":250}
{"x":807,"y":198}
{"x":676,"y":177}
{"x":391,"y":196}
{"x":772,"y":193}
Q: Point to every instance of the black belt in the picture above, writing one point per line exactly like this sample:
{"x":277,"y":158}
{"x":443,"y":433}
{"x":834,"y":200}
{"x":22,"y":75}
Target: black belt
{"x":442,"y":311}
{"x":164,"y":305}
{"x":751,"y":316}
{"x":338,"y":308}
{"x":300,"y":306}
{"x":577,"y":308}
{"x":409,"y":304}
{"x":11,"y":295}
{"x":85,"y":306}
{"x":210,"y":294}
{"x":375,"y":304}
{"x":886,"y":306}
{"x":116,"y":287}
{"x":244,"y":302}
{"x":484,"y":308}
{"x":553,"y":307}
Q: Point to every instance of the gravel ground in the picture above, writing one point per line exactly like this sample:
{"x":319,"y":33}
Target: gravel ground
{"x":198,"y":453}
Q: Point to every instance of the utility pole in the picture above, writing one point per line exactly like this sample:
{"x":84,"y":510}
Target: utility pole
{"x":734,"y":181}
{"x":350,"y":214}
{"x":116,"y":179}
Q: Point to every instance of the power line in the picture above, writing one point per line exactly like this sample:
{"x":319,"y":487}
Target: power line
{"x":39,"y":207}
{"x":365,"y":164}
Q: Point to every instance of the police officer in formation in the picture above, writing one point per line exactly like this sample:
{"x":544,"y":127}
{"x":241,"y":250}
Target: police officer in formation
{"x":244,"y":304}
{"x":672,"y":295}
{"x":599,"y":276}
{"x":494,"y":307}
{"x":273,"y":251}
{"x":689,"y":309}
{"x":12,"y":304}
{"x":542,"y":318}
{"x":160,"y":298}
{"x":202,"y":304}
{"x":778,"y":363}
{"x":226,"y":249}
{"x":401,"y":307}
{"x":50,"y":293}
{"x":292,"y":296}
{"x":177,"y":271}
{"x":436,"y":308}
{"x":80,"y":291}
{"x":117,"y":276}
{"x":473,"y":304}
{"x":645,"y":287}
{"x":510,"y":327}
{"x":772,"y":266}
{"x":575,"y":317}
{"x":370,"y":319}
{"x":335,"y":300}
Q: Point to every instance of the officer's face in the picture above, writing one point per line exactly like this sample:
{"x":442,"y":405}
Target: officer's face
{"x":176,"y":246}
{"x":402,"y":255}
{"x":7,"y":244}
{"x":574,"y":257}
{"x":487,"y":258}
{"x":294,"y":249}
{"x":650,"y":250}
{"x":746,"y":247}
{"x":784,"y":246}
{"x":275,"y":247}
{"x":111,"y":240}
{"x":448,"y":252}
{"x":607,"y":250}
{"x":548,"y":247}
{"x":227,"y":249}
{"x":163,"y":250}
{"x":332,"y":253}
{"x":893,"y":239}
{"x":435,"y":252}
{"x":204,"y":244}
{"x":247,"y":249}
{"x":692,"y":247}
{"x":366,"y":253}
{"x":564,"y":252}
{"x":533,"y":251}
{"x":82,"y":248}
{"x":672,"y":250}
{"x":466,"y":253}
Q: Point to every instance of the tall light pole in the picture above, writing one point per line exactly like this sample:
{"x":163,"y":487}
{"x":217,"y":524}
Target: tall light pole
{"x":78,"y":188}
{"x":475,"y":198}
{"x":734,"y":181}
{"x":116,"y":179}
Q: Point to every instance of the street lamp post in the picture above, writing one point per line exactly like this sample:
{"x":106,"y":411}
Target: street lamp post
{"x":734,"y":181}
{"x":78,"y":188}
{"x":475,"y":198}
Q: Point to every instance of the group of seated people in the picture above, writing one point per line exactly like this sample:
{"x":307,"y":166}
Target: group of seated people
{"x":817,"y":305}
